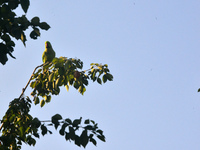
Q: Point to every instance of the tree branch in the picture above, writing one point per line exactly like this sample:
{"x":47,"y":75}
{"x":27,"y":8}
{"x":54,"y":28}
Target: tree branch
{"x":24,"y":89}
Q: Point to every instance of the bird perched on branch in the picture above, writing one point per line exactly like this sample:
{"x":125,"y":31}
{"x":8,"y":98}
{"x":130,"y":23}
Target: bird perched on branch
{"x":48,"y":54}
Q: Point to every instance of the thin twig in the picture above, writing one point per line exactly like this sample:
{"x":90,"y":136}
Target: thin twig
{"x":23,"y":90}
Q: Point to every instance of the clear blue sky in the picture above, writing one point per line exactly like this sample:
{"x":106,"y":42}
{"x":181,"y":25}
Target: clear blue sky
{"x":152,"y":49}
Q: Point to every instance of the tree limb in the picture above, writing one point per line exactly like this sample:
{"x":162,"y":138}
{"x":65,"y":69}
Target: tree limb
{"x":23,"y":90}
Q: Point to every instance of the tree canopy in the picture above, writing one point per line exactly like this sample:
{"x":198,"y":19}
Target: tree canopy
{"x":18,"y":126}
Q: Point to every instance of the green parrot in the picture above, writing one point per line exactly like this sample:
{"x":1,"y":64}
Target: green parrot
{"x":48,"y":54}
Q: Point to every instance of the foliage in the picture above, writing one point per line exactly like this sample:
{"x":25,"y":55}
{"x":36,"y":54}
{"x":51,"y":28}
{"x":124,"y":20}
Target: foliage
{"x":63,"y":72}
{"x":19,"y":126}
{"x":14,"y":27}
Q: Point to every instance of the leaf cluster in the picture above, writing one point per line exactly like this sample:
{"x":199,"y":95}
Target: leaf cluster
{"x":20,"y":127}
{"x":97,"y":70}
{"x":75,"y":131}
{"x":63,"y":72}
{"x":14,"y":27}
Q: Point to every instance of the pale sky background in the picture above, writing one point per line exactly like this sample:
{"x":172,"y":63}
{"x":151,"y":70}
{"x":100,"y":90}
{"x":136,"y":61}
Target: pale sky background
{"x":153,"y":51}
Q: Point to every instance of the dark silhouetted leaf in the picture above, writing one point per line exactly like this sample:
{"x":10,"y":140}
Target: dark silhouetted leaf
{"x":25,"y":4}
{"x":44,"y":130}
{"x":44,"y":26}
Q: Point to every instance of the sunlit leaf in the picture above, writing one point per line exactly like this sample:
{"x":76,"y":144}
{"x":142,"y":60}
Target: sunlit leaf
{"x":42,"y":103}
{"x":67,"y":87}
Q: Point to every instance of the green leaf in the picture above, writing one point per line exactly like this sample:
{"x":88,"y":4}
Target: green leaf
{"x":44,"y":129}
{"x":93,"y":141}
{"x":27,"y":130}
{"x":62,"y":132}
{"x":109,"y":76}
{"x":44,"y":26}
{"x":32,"y":84}
{"x":92,"y":121}
{"x":64,"y":126}
{"x":35,"y":21}
{"x":77,"y":140}
{"x":56,"y":117}
{"x":76,"y":85}
{"x":54,"y":120}
{"x":89,"y":127}
{"x":58,"y":82}
{"x":25,"y":4}
{"x":82,"y":89}
{"x":36,"y":100}
{"x":21,"y":129}
{"x":35,"y":33}
{"x":30,"y":140}
{"x":67,"y":65}
{"x":100,"y":132}
{"x":71,"y":133}
{"x":36,"y":135}
{"x":68,"y":120}
{"x":61,"y":70}
{"x":36,"y":122}
{"x":84,"y":138}
{"x":12,"y":4}
{"x":51,"y":77}
{"x":42,"y":103}
{"x":67,"y":87}
{"x":16,"y":31}
{"x":47,"y":98}
{"x":11,"y":119}
{"x":104,"y":78}
{"x":76,"y":122}
{"x":67,"y":136}
{"x":101,"y":137}
{"x":10,"y":43}
{"x":6,"y":38}
{"x":87,"y":121}
{"x":85,"y":81}
{"x":99,"y":80}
